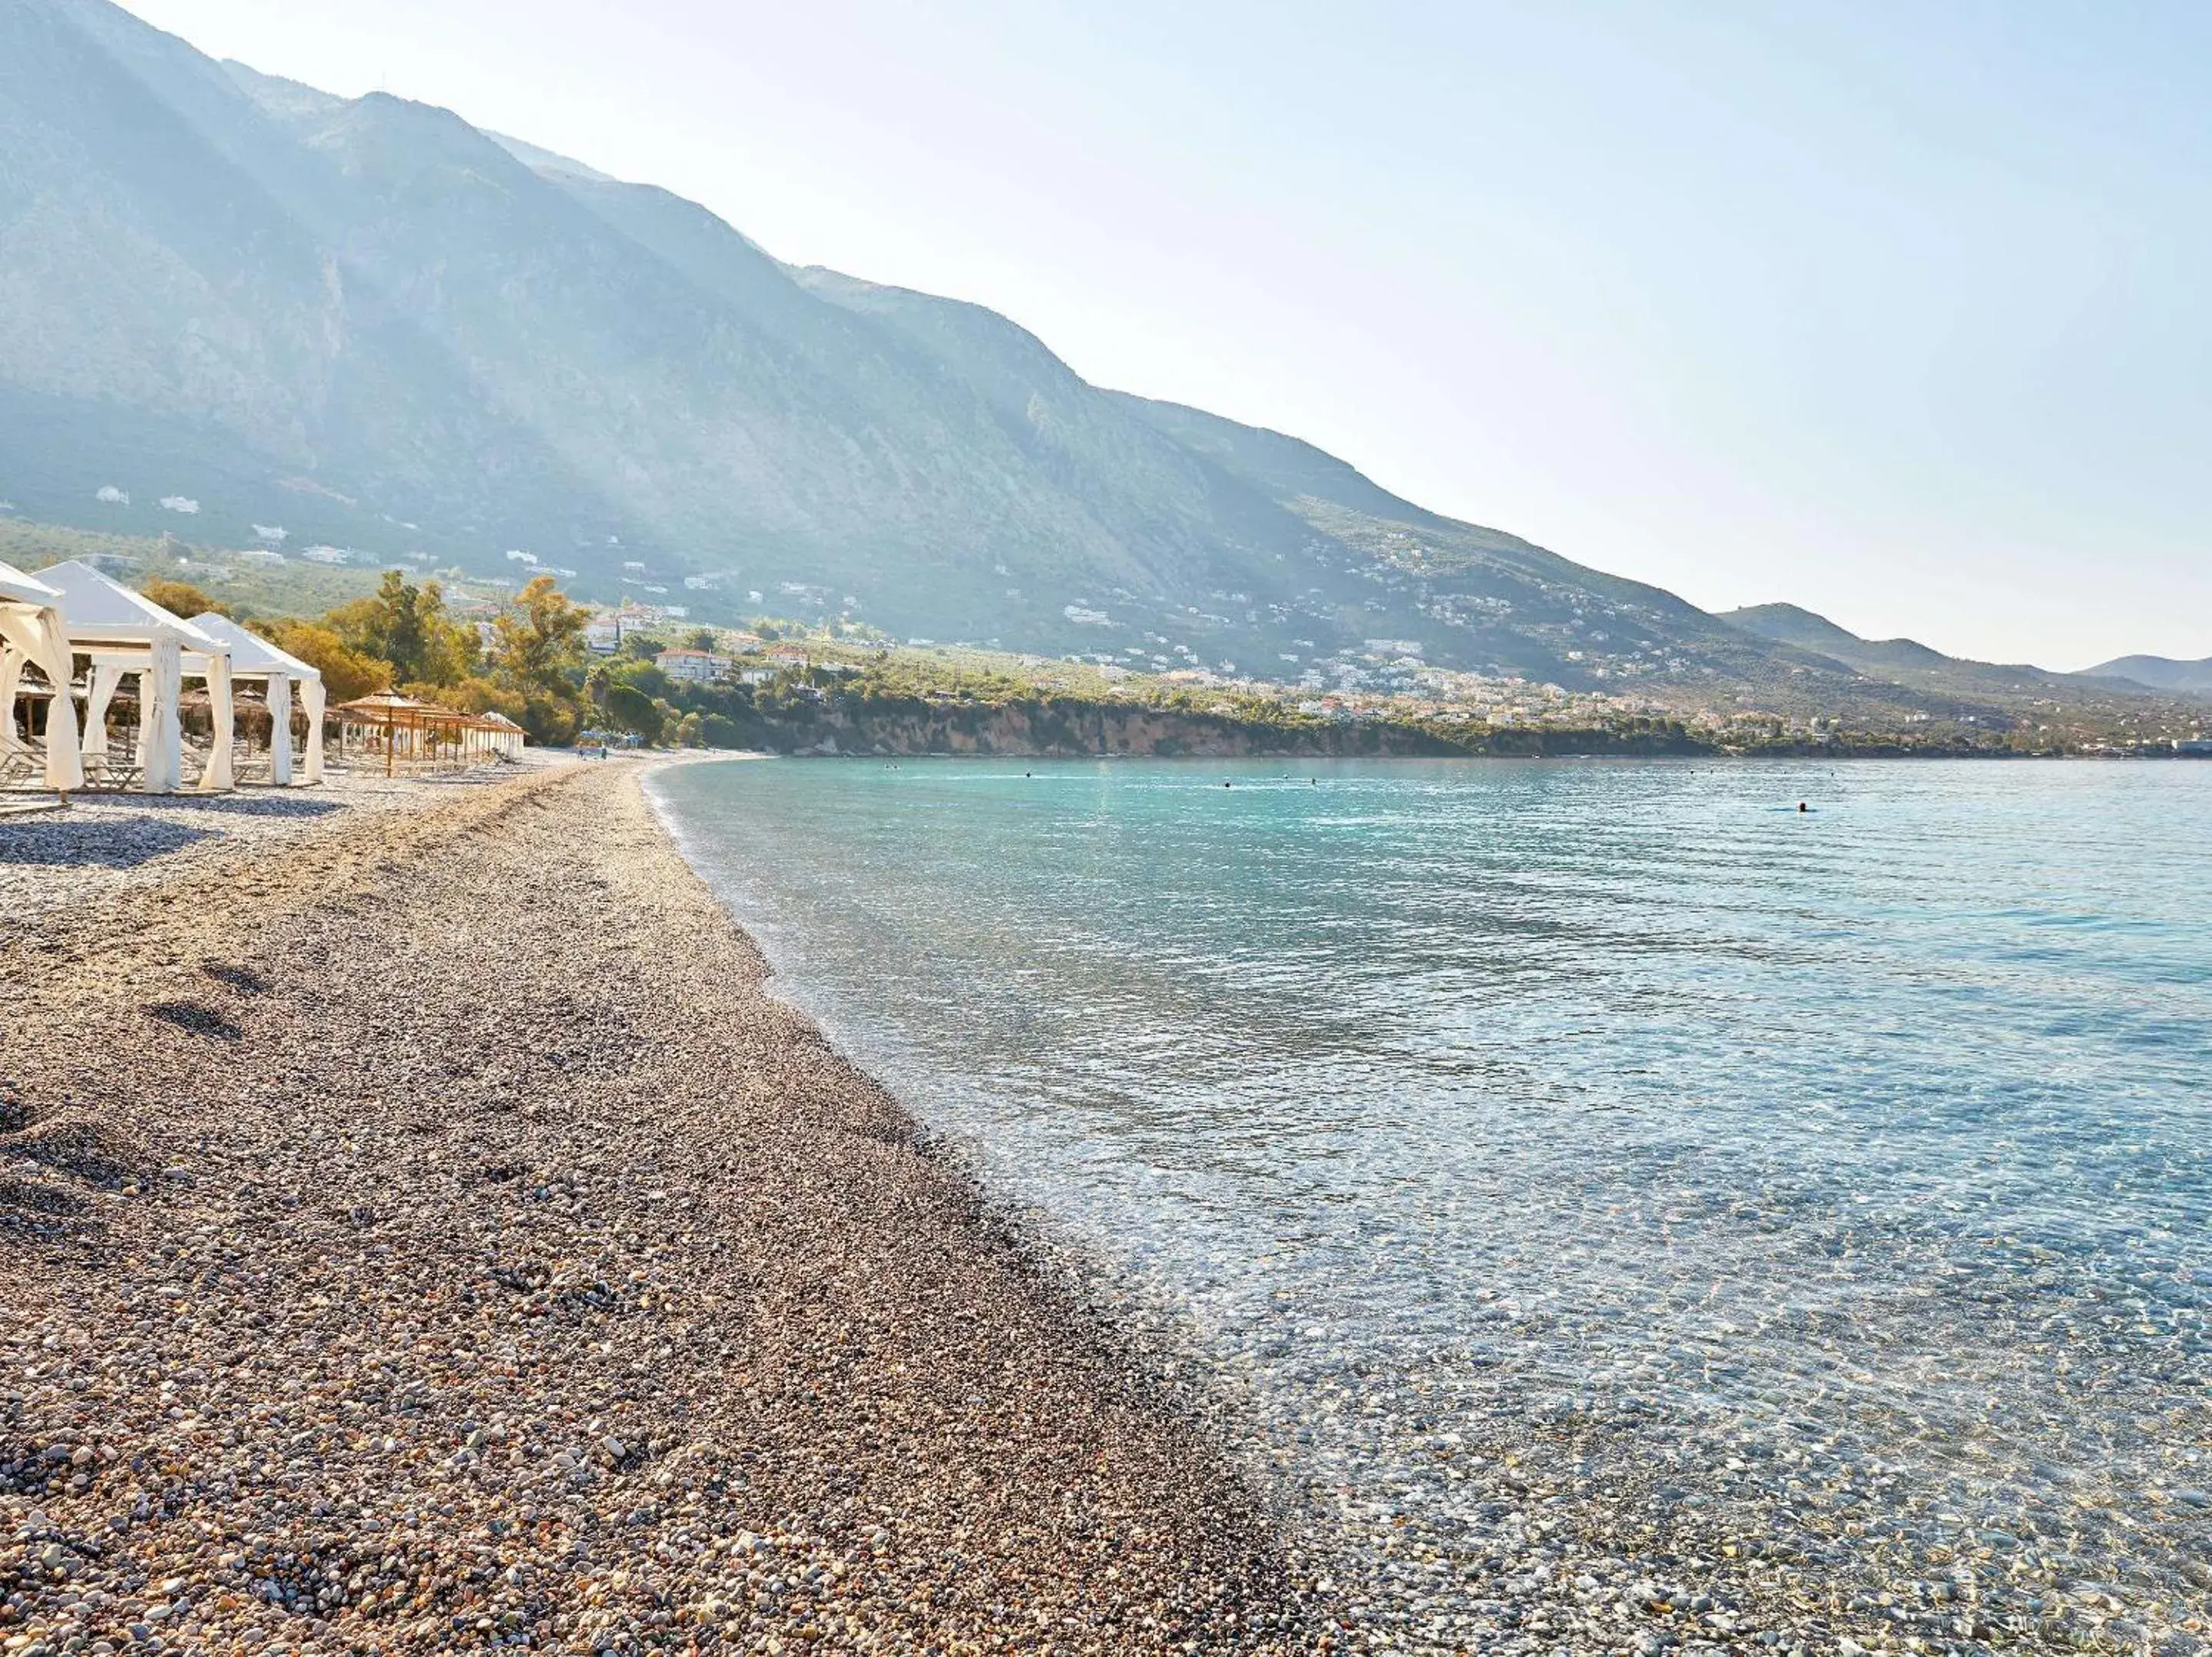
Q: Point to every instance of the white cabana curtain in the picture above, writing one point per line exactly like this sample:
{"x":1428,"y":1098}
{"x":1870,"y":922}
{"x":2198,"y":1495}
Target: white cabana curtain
{"x":312,"y":700}
{"x":11,"y":677}
{"x":280,"y":729}
{"x":34,"y":636}
{"x":161,"y":736}
{"x":106,"y":679}
{"x":215,"y":775}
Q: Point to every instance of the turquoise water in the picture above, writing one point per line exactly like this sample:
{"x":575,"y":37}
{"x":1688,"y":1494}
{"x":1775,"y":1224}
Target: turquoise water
{"x":1829,"y":1186}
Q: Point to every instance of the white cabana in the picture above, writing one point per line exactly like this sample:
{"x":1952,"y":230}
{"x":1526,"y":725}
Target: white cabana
{"x":124,"y":633}
{"x":501,"y":736}
{"x":252,"y":657}
{"x":32,"y":634}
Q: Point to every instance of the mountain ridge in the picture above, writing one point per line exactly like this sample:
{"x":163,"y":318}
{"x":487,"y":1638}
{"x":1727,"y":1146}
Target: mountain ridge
{"x":2156,"y":673}
{"x":237,"y":306}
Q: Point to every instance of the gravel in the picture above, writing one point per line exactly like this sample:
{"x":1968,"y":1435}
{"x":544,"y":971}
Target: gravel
{"x":434,"y":1237}
{"x":104,"y":845}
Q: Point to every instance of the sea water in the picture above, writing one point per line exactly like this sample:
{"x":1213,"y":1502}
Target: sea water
{"x":1558,"y":1161}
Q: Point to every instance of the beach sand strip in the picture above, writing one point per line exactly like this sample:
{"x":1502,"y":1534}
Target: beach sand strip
{"x":423,"y":1232}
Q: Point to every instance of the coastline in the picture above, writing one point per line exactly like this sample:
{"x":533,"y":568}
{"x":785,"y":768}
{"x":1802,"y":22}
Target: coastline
{"x":423,"y":1230}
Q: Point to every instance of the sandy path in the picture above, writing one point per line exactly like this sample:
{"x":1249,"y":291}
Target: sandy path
{"x":448,"y":1243}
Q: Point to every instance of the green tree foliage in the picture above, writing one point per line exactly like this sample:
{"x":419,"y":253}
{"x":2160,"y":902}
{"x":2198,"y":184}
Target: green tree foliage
{"x":477,"y":694}
{"x":347,"y":673}
{"x":644,"y":676}
{"x":407,"y":626}
{"x":701,"y":638}
{"x":540,"y":639}
{"x":552,"y":719}
{"x":182,"y":598}
{"x":633,"y":710}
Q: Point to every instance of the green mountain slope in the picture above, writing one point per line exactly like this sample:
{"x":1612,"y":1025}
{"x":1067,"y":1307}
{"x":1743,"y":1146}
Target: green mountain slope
{"x":1905,"y":661}
{"x":2158,"y":673}
{"x":231,"y":305}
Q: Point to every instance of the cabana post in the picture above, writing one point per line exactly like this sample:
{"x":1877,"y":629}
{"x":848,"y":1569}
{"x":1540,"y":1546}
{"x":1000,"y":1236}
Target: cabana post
{"x":32,"y":634}
{"x":252,"y":657}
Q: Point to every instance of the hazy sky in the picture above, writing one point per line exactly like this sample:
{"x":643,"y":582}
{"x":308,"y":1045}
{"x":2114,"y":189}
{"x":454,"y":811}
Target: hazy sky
{"x":1898,"y":310}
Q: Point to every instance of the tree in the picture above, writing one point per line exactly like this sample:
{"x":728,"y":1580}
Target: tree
{"x":346,"y":672}
{"x":182,"y":598}
{"x":481,"y":695}
{"x":409,"y":626}
{"x":540,"y":637}
{"x":643,"y":646}
{"x":551,"y":721}
{"x":647,"y":676}
{"x":701,"y":638}
{"x":633,"y":710}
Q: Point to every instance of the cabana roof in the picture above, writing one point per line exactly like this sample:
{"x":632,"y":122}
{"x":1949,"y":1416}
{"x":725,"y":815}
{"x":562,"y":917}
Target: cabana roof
{"x":19,"y":588}
{"x":251,"y":653}
{"x":389,"y":708}
{"x":95,"y":606}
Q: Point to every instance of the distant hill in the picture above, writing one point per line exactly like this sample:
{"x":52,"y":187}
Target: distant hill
{"x":2158,"y":673}
{"x":1904,"y":661}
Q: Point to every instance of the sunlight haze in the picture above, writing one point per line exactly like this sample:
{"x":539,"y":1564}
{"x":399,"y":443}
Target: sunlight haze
{"x":1893,"y":311}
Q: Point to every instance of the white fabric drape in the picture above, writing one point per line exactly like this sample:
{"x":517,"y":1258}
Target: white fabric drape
{"x":101,"y":686}
{"x":215,"y":775}
{"x":64,"y":759}
{"x":11,"y":676}
{"x":161,"y":736}
{"x":280,"y":729}
{"x":311,"y":701}
{"x":34,"y":636}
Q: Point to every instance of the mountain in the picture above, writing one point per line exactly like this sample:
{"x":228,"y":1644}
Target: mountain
{"x":1908,"y":664}
{"x":231,"y":305}
{"x":2158,"y":673}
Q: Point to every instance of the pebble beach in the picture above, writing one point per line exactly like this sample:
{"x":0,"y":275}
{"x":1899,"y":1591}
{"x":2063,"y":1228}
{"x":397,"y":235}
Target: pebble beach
{"x":419,"y":1231}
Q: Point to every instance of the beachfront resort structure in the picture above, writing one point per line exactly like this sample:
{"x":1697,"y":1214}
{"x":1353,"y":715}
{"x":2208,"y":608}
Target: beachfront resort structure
{"x":54,"y":717}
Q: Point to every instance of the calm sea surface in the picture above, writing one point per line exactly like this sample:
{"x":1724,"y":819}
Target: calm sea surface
{"x":1825,"y":1189}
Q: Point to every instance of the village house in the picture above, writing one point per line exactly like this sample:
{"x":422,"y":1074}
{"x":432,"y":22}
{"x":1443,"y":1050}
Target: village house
{"x":693,"y":666}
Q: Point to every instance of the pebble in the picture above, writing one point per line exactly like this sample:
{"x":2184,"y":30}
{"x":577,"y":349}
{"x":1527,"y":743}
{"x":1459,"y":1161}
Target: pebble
{"x":539,"y":1278}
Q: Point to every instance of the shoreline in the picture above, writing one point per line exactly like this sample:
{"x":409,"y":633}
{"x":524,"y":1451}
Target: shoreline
{"x":430,"y":1232}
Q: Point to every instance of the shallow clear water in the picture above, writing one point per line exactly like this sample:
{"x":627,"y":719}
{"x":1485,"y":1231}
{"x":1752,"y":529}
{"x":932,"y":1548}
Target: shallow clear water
{"x":1828,"y":1186}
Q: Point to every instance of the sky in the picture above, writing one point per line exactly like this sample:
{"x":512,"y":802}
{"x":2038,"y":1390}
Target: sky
{"x":1898,"y":310}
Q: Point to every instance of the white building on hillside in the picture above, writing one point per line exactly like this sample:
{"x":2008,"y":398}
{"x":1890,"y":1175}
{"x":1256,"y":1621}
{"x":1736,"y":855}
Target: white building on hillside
{"x":693,"y":666}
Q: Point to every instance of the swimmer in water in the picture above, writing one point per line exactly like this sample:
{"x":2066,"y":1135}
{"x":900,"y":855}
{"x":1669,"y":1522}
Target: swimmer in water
{"x":1802,"y":806}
